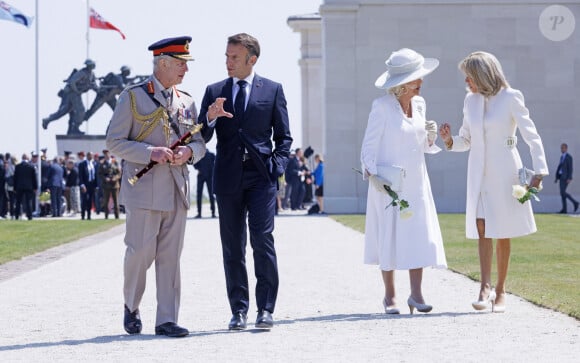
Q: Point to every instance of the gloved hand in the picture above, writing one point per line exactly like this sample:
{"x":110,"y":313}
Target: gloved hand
{"x":431,"y":128}
{"x":378,"y":183}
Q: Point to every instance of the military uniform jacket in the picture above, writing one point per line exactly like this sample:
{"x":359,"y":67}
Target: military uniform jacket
{"x":140,"y":121}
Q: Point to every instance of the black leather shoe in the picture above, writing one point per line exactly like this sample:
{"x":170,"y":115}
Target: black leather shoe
{"x":198,"y":216}
{"x":171,"y":330}
{"x":132,"y":321}
{"x":238,"y":322}
{"x":264,"y":320}
{"x":576,"y":206}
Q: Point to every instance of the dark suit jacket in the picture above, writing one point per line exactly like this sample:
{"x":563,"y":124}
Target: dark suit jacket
{"x":205,"y":165}
{"x":25,"y":177}
{"x":84,"y":174}
{"x":264,"y":121}
{"x":566,"y":167}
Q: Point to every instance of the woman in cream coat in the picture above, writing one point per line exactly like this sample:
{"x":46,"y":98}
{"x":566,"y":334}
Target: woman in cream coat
{"x":492,"y":113}
{"x":398,"y":134}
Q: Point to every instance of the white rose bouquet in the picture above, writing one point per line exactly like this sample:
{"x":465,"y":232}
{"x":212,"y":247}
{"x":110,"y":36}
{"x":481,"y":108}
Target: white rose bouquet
{"x":383,"y":186}
{"x":523,"y":193}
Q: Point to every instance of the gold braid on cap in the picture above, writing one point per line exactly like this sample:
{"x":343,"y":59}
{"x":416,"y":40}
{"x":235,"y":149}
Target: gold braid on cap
{"x":147,"y":122}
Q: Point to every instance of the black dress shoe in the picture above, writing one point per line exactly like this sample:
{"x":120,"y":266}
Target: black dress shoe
{"x":576,"y":206}
{"x":198,"y":216}
{"x":562,"y":211}
{"x":132,"y":321}
{"x":238,"y":322}
{"x":171,"y":330}
{"x":264,"y":320}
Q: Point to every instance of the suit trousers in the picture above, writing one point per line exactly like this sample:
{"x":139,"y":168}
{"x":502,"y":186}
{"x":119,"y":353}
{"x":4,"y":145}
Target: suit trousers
{"x":257,"y":201}
{"x":565,"y":195}
{"x":154,"y":236}
{"x":87,"y":199}
{"x":201,"y":180}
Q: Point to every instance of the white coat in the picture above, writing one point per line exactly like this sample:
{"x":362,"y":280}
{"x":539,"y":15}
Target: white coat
{"x":493,"y":163}
{"x":391,"y":242}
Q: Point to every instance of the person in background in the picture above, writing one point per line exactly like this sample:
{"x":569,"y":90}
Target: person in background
{"x":110,"y":175}
{"x":248,"y":114}
{"x":398,"y":134}
{"x":564,"y":175}
{"x":99,"y":191}
{"x":3,"y":195}
{"x":318,"y":174}
{"x":205,"y":176}
{"x":9,"y":166}
{"x":88,"y":184}
{"x":492,"y":113}
{"x":55,"y":186}
{"x":72,"y":187}
{"x":25,"y":186}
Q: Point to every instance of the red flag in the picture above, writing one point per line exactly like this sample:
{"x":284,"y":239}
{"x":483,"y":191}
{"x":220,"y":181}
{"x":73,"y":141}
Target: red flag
{"x":98,"y":22}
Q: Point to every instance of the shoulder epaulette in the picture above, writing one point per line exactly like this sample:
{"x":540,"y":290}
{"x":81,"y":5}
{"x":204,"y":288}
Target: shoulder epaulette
{"x":142,"y":84}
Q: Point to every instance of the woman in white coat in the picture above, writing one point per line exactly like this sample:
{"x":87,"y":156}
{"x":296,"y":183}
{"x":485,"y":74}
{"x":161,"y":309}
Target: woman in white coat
{"x":492,"y":113}
{"x":398,"y":135}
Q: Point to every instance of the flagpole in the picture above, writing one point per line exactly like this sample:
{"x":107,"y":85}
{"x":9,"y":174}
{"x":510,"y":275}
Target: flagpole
{"x":88,"y":44}
{"x":37,"y":130}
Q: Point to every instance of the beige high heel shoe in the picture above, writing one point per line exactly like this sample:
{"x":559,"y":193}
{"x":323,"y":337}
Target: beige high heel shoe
{"x":390,"y":310}
{"x":423,"y":308}
{"x":498,"y":308}
{"x":483,"y":304}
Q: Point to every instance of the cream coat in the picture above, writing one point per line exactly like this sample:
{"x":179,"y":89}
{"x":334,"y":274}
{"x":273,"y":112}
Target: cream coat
{"x":493,"y":164}
{"x":391,"y":139}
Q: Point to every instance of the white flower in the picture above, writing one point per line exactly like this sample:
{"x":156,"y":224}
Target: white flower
{"x":518,"y":191}
{"x":406,"y":214}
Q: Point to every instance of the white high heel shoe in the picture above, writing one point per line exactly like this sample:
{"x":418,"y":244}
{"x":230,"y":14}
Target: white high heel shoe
{"x":498,"y":308}
{"x":424,"y":308}
{"x":483,"y":304}
{"x":390,"y":310}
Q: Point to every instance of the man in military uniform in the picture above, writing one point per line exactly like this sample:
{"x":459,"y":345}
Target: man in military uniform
{"x":110,"y":87}
{"x":110,"y":174}
{"x":148,"y":119}
{"x":79,"y":82}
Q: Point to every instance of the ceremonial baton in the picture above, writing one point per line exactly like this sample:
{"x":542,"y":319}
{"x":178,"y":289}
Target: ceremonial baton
{"x":182,"y":141}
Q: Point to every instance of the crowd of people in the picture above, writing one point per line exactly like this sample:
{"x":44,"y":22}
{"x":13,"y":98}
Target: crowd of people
{"x":301,"y":185}
{"x":71,"y":184}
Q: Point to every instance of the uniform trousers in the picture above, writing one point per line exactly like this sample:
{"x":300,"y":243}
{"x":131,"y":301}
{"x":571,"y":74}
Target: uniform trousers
{"x":154,"y":236}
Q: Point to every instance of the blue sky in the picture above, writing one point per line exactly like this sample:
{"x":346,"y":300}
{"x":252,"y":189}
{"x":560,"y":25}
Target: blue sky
{"x":62,"y":46}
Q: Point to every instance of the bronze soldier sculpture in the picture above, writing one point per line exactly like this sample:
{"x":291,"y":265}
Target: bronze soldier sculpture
{"x":110,"y":87}
{"x":79,"y":82}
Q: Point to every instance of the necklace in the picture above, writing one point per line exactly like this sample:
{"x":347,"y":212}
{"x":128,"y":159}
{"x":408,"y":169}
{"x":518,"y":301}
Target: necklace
{"x":406,"y":110}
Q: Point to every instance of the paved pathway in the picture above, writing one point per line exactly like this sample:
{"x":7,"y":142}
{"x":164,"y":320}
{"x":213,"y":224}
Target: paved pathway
{"x":329,"y":308}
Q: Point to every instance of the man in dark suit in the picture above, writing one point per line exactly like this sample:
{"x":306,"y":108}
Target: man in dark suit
{"x":88,"y":183}
{"x":25,"y":186}
{"x":564,"y":174}
{"x":205,"y":176}
{"x":249,"y":116}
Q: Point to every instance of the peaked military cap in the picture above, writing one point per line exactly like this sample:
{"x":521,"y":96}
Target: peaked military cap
{"x":177,"y":47}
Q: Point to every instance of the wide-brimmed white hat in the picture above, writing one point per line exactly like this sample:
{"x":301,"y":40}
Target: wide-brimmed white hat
{"x":405,"y":65}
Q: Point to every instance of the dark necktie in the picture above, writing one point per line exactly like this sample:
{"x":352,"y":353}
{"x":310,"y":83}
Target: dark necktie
{"x":240,"y":103}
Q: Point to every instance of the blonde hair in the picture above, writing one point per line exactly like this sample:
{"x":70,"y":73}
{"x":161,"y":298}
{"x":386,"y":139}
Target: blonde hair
{"x":485,"y":71}
{"x":398,"y":91}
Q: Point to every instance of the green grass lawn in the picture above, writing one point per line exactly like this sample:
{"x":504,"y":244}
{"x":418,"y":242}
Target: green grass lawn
{"x":544,"y":266}
{"x":22,"y":238}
